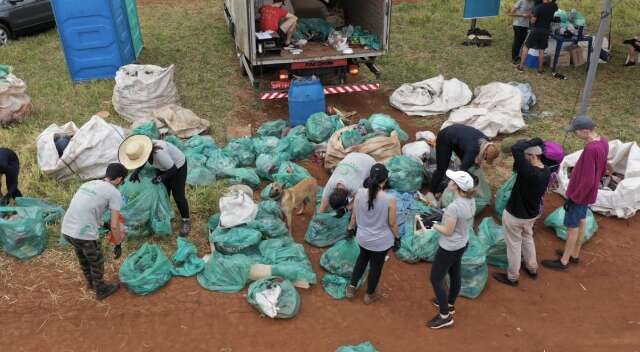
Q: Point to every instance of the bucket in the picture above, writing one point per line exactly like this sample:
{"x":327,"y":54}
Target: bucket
{"x":306,"y":97}
{"x":532,"y":58}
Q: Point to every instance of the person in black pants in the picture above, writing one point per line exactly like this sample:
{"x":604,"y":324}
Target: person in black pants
{"x":374,"y":222}
{"x":521,"y":13}
{"x":171,"y":169}
{"x":10,"y":168}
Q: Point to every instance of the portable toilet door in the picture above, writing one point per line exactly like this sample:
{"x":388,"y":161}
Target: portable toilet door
{"x":134,"y":26}
{"x":95,"y":37}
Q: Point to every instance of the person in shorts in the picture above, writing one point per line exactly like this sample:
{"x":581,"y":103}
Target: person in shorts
{"x":538,"y":36}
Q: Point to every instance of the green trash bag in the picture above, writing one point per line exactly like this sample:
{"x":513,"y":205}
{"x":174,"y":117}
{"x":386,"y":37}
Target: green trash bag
{"x":555,"y":220}
{"x":363,"y":347}
{"x":335,"y":285}
{"x":242,"y":150}
{"x":288,"y":303}
{"x":53,"y":213}
{"x":351,"y":137}
{"x":225,"y":273}
{"x":483,"y":192}
{"x":270,"y":224}
{"x":265,"y":145}
{"x":148,"y":129}
{"x":201,"y":144}
{"x":198,"y":174}
{"x":474,"y":267}
{"x":235,"y":239}
{"x":245,"y":176}
{"x":312,"y":28}
{"x":176,"y":142}
{"x":269,"y":208}
{"x":272,"y":128}
{"x":265,"y":194}
{"x":341,"y":257}
{"x":417,"y":246}
{"x":321,"y":126}
{"x":219,"y":162}
{"x":492,"y":236}
{"x":326,"y":229}
{"x":405,"y":174}
{"x":288,"y":260}
{"x":295,"y":146}
{"x":22,"y":231}
{"x":385,"y":123}
{"x":146,"y":270}
{"x":185,"y":260}
{"x":503,"y":194}
{"x":267,"y":165}
{"x":289,"y":174}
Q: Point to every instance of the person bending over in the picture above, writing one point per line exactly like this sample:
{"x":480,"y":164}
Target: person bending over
{"x":10,"y":168}
{"x":347,"y":178}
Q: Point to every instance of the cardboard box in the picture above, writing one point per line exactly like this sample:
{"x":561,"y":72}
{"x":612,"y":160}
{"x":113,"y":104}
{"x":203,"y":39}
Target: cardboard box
{"x":564,"y":60}
{"x":578,"y":57}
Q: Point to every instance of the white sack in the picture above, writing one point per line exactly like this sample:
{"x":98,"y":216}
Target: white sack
{"x":15,"y":103}
{"x":236,"y":208}
{"x":624,"y":202}
{"x":93,"y":147}
{"x":179,"y":121}
{"x":495,"y":109}
{"x":142,"y":89}
{"x":433,"y":96}
{"x":417,"y":150}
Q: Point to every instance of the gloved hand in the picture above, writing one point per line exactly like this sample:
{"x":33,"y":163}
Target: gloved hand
{"x":156,"y":180}
{"x":396,"y":244}
{"x":135,"y":176}
{"x":117,"y":251}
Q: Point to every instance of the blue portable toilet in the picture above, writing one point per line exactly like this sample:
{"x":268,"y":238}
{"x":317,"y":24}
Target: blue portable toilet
{"x":95,"y":37}
{"x":306,"y":97}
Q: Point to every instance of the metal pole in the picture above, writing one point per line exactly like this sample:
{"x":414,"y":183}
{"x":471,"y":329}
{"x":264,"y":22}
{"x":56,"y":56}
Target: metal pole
{"x":605,"y":17}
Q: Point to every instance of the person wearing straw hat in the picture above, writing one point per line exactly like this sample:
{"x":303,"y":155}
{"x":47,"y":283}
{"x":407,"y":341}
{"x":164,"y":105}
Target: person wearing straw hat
{"x":171,"y":169}
{"x":453,"y":240}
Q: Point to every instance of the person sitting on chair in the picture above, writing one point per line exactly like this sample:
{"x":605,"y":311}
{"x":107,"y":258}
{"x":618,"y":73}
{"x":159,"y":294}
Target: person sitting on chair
{"x":276,"y":17}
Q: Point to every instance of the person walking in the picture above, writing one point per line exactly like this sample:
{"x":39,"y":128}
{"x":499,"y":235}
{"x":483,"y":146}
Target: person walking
{"x":523,"y":209}
{"x":347,"y":178}
{"x":582,"y":191}
{"x":521,"y":12}
{"x":10,"y":168}
{"x":374,"y":222}
{"x":454,"y":237}
{"x":538,"y":37}
{"x":83,"y":219}
{"x":171,"y":169}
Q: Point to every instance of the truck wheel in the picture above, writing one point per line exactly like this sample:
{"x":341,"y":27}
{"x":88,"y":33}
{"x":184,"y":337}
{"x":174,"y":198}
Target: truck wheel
{"x":4,"y":35}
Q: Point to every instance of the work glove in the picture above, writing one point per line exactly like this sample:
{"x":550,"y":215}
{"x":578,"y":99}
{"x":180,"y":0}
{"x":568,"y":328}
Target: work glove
{"x":396,"y":244}
{"x":117,"y":251}
{"x":156,"y":180}
{"x":135,"y":176}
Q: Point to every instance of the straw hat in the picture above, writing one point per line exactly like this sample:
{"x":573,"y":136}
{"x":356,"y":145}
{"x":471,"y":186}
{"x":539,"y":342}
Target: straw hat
{"x":134,"y":151}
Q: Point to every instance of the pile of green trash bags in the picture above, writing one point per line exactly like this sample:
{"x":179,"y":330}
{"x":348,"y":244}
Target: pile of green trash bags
{"x":363,"y":347}
{"x":290,"y":174}
{"x":273,"y":128}
{"x":418,"y":246}
{"x":375,"y":125}
{"x":365,"y":38}
{"x":312,"y":29}
{"x":555,"y":220}
{"x":185,"y":260}
{"x":269,"y":220}
{"x":146,"y":270}
{"x":339,"y":261}
{"x":384,"y":123}
{"x":242,"y":150}
{"x":288,"y":301}
{"x":205,"y":161}
{"x":295,"y":145}
{"x":483,"y":191}
{"x":287,"y":259}
{"x":492,"y":236}
{"x":148,"y":129}
{"x":405,"y":173}
{"x":320,"y":126}
{"x":242,"y":175}
{"x":325,"y":229}
{"x":53,"y":213}
{"x":503,"y":194}
{"x":23,"y":233}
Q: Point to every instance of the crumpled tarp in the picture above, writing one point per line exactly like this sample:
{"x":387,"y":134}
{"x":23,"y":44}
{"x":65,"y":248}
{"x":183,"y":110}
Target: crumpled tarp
{"x":381,"y":148}
{"x":495,"y":109}
{"x":15,"y":103}
{"x":433,"y":96}
{"x":177,"y":121}
{"x":528,"y":97}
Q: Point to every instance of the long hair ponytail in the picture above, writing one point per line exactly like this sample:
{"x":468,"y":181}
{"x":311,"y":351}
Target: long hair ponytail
{"x":373,"y":193}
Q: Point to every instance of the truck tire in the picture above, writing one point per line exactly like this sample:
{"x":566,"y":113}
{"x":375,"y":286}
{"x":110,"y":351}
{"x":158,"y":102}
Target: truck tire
{"x":4,"y":35}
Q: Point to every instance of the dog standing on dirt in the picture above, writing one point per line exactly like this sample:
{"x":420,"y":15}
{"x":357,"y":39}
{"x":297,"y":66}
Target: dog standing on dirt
{"x":295,"y":197}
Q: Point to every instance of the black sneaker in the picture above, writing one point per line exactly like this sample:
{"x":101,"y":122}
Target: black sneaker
{"x":503,"y":278}
{"x":555,"y":265}
{"x":452,"y":309}
{"x":106,"y":290}
{"x":630,"y":63}
{"x":439,"y":322}
{"x":532,"y":274}
{"x":572,"y":260}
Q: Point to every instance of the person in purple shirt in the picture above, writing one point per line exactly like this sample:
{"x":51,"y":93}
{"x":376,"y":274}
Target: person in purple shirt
{"x":582,"y":191}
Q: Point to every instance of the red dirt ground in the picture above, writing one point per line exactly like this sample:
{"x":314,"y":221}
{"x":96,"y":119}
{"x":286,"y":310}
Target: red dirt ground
{"x":46,"y":309}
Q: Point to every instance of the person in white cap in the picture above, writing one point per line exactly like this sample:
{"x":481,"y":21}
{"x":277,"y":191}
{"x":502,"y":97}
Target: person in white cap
{"x":523,"y":209}
{"x":454,"y":237}
{"x":171,"y":169}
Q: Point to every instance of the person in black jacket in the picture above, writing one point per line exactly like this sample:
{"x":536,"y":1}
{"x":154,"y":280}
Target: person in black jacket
{"x":523,"y":209}
{"x":469,"y":144}
{"x":10,"y":168}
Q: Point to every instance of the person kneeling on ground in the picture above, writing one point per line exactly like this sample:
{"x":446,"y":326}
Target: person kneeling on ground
{"x":276,"y":16}
{"x":171,"y":169}
{"x":634,"y":48}
{"x":453,"y":240}
{"x":83,"y":219}
{"x":582,"y":191}
{"x":376,"y":229}
{"x":523,"y":209}
{"x":348,"y":176}
{"x":10,"y":168}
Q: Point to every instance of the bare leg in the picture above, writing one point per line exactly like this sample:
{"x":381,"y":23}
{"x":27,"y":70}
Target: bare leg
{"x":289,"y":27}
{"x":523,"y":55}
{"x":540,"y":60}
{"x":570,"y":244}
{"x":581,"y":232}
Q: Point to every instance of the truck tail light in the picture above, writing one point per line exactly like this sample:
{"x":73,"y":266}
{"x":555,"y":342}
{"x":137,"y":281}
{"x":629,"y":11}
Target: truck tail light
{"x":283,"y":75}
{"x":354,"y":70}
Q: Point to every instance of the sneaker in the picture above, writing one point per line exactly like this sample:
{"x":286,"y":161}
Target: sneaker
{"x":439,"y":322}
{"x":186,"y":228}
{"x":540,"y":72}
{"x":350,"y":292}
{"x":106,"y":290}
{"x":555,"y":265}
{"x":452,"y":309}
{"x":503,"y":278}
{"x":572,"y":260}
{"x":370,"y":298}
{"x":532,"y":274}
{"x":630,"y":63}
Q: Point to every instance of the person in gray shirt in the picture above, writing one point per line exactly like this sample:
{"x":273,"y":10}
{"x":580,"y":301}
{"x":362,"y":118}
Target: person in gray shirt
{"x":374,"y":222}
{"x":521,"y":13}
{"x":347,"y":178}
{"x":454,"y":236}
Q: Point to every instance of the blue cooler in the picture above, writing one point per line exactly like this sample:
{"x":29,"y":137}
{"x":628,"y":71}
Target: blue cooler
{"x":532,"y":58}
{"x":306,"y":97}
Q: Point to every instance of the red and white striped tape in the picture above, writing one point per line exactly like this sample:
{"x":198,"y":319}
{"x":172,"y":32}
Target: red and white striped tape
{"x":351,"y":88}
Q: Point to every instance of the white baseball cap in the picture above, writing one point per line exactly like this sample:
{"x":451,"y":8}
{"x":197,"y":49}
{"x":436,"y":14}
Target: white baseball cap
{"x":462,"y":179}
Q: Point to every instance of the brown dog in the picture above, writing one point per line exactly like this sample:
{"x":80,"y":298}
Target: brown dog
{"x":296,"y":197}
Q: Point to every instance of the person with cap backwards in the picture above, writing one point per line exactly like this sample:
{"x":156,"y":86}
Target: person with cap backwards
{"x":83,"y":219}
{"x":453,"y":240}
{"x":468,"y":143}
{"x":10,"y":168}
{"x":348,"y":176}
{"x":374,"y":223}
{"x":582,"y":191}
{"x":523,"y":209}
{"x":171,"y":169}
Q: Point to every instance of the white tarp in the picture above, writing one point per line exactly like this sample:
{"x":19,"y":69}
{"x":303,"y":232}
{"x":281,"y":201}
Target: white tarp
{"x":91,"y":149}
{"x":495,"y":109}
{"x":433,"y":96}
{"x":624,"y":201}
{"x":142,"y":89}
{"x":15,"y":103}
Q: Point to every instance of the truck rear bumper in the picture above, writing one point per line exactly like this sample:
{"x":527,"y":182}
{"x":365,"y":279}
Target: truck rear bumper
{"x":340,"y":89}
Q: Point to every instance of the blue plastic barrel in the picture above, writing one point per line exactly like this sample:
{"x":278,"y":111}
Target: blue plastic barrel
{"x":306,"y":97}
{"x":532,"y":58}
